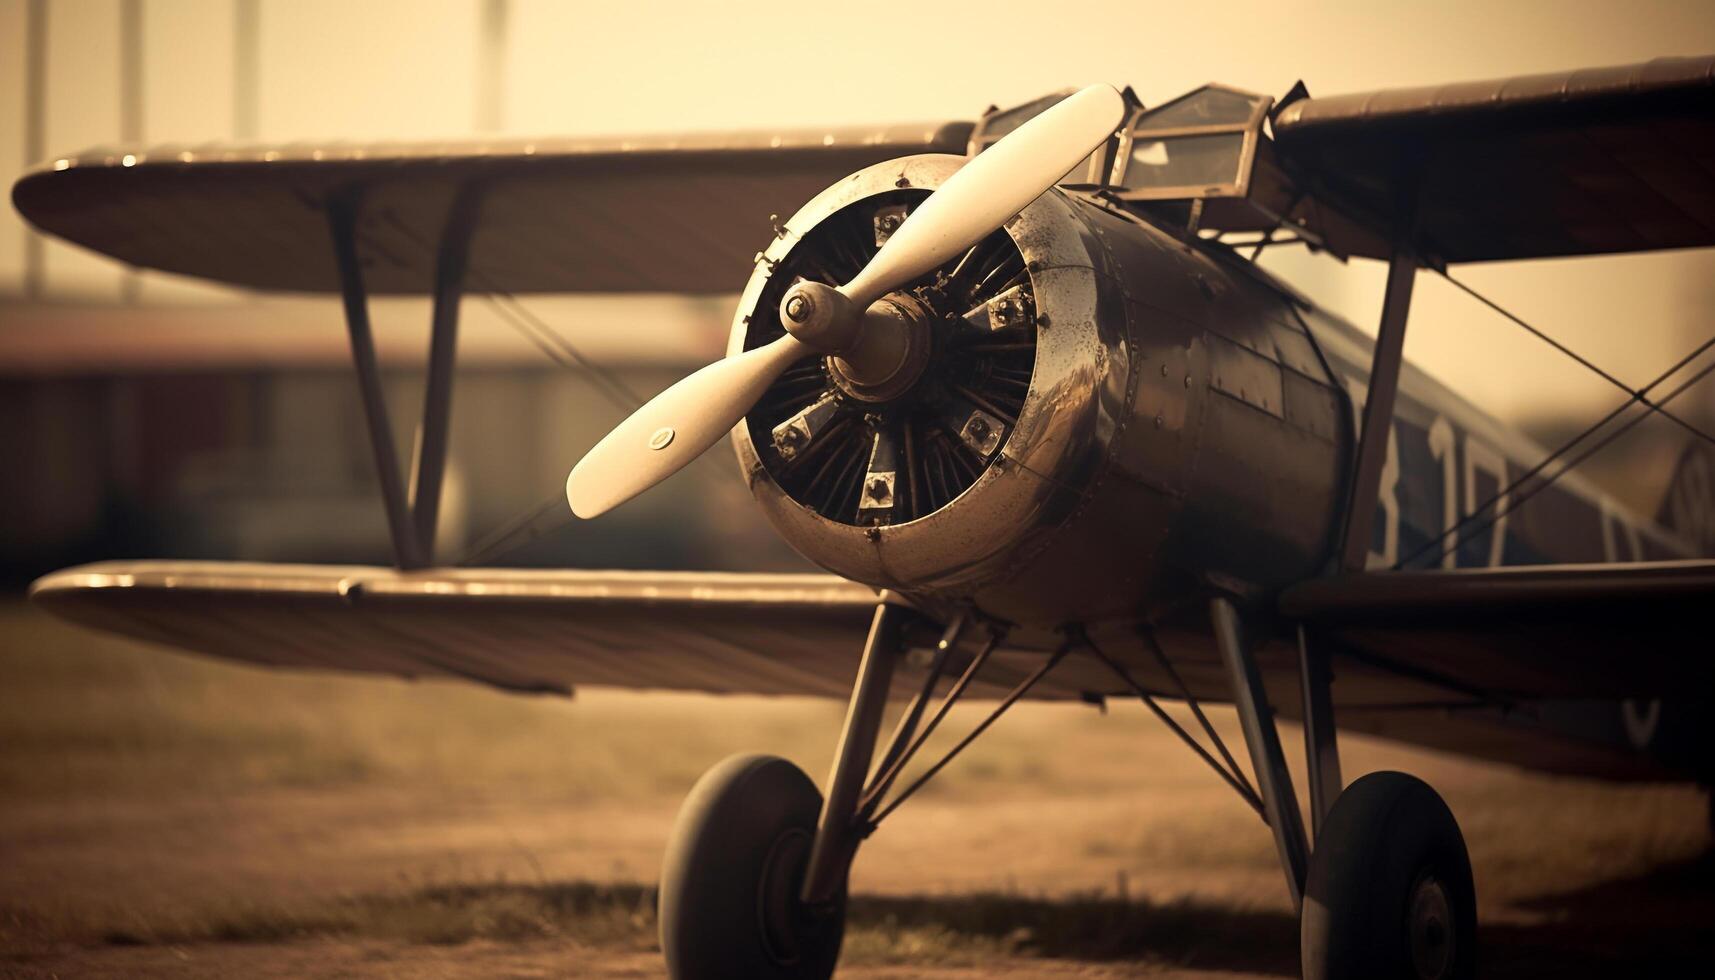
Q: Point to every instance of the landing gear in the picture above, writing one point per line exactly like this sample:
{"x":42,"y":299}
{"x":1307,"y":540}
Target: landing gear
{"x":754,"y":883}
{"x":1390,"y":892}
{"x":1387,"y":891}
{"x":730,"y":882}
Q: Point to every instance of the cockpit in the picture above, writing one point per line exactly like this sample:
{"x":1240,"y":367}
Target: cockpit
{"x":1202,"y":161}
{"x":1199,"y":145}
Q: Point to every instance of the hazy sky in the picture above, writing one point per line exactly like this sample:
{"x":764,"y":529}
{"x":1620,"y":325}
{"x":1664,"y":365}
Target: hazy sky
{"x":405,"y":69}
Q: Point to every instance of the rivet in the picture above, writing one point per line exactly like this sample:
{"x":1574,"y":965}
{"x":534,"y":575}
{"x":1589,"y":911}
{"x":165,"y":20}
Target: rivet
{"x":1158,"y":421}
{"x":661,"y":438}
{"x":1187,"y":381}
{"x":1164,"y":370}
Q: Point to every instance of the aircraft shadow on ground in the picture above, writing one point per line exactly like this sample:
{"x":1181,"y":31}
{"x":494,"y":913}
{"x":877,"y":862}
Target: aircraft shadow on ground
{"x":1097,"y":928}
{"x":1657,"y":923}
{"x":1660,"y":923}
{"x":1653,"y":924}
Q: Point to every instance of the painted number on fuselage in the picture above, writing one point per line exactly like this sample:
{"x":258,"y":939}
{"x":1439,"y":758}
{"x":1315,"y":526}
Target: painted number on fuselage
{"x":1388,"y":494}
{"x":1473,"y":476}
{"x":1480,"y":457}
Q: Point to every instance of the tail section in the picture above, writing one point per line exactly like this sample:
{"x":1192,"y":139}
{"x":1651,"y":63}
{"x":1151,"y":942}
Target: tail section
{"x":1689,"y":507}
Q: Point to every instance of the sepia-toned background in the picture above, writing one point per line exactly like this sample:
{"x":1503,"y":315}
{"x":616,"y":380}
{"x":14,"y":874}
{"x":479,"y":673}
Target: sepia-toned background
{"x":156,"y":809}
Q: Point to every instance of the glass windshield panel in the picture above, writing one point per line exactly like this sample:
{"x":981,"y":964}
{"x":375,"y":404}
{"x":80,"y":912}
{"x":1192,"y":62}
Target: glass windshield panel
{"x":1209,"y":107}
{"x":1002,"y":123}
{"x":1184,"y":161}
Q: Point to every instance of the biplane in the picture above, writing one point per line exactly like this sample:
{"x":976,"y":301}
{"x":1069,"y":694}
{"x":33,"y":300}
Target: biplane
{"x":1022,"y":389}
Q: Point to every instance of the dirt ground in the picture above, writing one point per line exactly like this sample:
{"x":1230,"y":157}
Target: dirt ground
{"x":168,"y":816}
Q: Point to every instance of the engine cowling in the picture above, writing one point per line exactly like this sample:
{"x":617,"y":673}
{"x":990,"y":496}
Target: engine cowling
{"x":1037,"y":449}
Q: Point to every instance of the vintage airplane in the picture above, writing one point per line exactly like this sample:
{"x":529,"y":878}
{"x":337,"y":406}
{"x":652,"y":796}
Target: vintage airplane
{"x":1022,"y":388}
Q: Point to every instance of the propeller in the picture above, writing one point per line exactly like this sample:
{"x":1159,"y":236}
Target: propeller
{"x":677,"y":425}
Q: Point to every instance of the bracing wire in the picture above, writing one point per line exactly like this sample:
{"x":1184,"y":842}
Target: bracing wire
{"x":1638,"y":396}
{"x":1514,"y":502}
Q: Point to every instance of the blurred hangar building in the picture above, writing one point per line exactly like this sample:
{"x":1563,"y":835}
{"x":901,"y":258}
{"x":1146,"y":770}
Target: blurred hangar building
{"x":142,"y":415}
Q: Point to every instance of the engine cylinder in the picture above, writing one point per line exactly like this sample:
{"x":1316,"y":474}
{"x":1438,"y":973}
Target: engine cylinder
{"x":1104,"y":418}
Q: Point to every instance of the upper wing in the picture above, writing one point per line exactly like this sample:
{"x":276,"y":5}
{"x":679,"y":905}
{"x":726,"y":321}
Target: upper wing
{"x":651,"y":214}
{"x":520,"y":630}
{"x":1566,"y":631}
{"x":1600,"y":160}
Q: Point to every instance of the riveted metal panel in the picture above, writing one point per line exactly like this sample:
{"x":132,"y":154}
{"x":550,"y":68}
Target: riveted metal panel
{"x":1293,"y":349}
{"x":1312,"y":407}
{"x":1246,"y":375}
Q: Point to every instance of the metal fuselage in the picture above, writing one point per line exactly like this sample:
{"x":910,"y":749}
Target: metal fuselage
{"x":1189,"y":427}
{"x":1189,"y":422}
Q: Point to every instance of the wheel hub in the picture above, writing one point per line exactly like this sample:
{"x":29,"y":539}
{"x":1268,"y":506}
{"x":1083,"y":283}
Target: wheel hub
{"x":778,"y":908}
{"x":1430,"y":927}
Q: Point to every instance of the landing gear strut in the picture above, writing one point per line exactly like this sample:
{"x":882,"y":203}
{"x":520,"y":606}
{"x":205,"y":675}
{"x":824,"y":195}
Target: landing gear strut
{"x":1387,"y":890}
{"x":754,"y":884}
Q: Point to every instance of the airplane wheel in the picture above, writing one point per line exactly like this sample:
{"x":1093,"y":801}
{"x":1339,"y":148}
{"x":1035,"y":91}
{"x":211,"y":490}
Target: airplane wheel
{"x":1389,"y":893}
{"x":729,"y":883}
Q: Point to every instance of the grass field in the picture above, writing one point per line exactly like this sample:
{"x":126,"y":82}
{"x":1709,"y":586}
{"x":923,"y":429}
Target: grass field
{"x":165,"y":815}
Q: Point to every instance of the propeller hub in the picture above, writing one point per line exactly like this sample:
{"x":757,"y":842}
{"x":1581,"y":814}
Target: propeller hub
{"x":890,"y":354}
{"x":821,"y":317}
{"x":873,"y":340}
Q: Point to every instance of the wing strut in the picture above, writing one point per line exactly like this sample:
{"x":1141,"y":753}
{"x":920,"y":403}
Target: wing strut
{"x":431,"y":462}
{"x":410,"y":519}
{"x":1377,"y":424}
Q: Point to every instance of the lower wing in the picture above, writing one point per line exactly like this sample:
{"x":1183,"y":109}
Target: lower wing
{"x":519,"y":630}
{"x":1592,"y":631}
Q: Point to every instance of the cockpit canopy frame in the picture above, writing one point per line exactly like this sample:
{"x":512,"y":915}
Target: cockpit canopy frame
{"x":1203,"y":144}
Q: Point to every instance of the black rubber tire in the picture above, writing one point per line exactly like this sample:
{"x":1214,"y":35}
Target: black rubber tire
{"x":729,"y":884}
{"x":1709,"y":814}
{"x":1390,"y":852}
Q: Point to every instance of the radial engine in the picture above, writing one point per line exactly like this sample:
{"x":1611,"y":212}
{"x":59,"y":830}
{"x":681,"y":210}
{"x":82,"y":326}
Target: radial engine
{"x":1091,"y":416}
